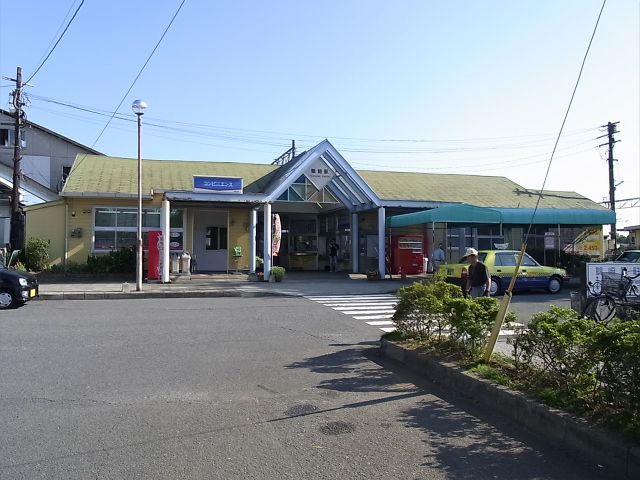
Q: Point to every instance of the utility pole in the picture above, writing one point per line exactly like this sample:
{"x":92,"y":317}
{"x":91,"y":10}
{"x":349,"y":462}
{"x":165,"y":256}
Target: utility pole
{"x":611,"y":130}
{"x":16,"y":237}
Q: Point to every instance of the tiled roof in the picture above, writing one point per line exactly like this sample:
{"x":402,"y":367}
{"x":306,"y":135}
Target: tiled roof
{"x":94,"y":174}
{"x":112,"y":175}
{"x":483,"y":191}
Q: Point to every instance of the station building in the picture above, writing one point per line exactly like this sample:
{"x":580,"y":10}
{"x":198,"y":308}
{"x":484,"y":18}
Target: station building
{"x":225,"y":214}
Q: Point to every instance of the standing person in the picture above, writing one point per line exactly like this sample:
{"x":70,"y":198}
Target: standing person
{"x":479,"y":279}
{"x":438,"y":258}
{"x":333,"y":255}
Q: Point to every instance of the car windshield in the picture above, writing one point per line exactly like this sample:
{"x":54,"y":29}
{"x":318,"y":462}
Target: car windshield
{"x":481,"y":257}
{"x":629,"y":256}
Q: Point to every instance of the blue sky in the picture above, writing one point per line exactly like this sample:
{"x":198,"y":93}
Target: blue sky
{"x":462,"y":87}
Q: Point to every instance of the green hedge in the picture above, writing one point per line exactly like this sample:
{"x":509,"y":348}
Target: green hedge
{"x":588,"y":367}
{"x":438,"y":314}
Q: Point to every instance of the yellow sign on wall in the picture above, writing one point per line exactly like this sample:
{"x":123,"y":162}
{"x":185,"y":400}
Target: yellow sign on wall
{"x":589,"y":242}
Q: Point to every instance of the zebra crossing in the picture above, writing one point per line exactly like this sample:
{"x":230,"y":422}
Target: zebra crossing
{"x":377,"y":310}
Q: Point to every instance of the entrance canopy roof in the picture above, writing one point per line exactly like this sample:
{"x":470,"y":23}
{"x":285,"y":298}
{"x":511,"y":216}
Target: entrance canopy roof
{"x":471,"y":214}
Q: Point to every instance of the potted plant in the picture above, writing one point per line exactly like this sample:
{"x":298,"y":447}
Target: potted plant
{"x":278,"y":273}
{"x":259,"y":264}
{"x":373,"y":274}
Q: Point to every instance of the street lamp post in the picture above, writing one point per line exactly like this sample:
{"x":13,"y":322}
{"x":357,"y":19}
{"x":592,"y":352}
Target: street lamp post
{"x":138,"y":108}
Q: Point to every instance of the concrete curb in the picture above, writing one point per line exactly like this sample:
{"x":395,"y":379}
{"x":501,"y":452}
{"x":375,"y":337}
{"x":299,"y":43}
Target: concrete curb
{"x":559,"y":427}
{"x":160,"y":294}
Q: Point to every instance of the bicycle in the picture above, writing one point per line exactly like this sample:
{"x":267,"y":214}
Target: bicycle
{"x":617,"y":296}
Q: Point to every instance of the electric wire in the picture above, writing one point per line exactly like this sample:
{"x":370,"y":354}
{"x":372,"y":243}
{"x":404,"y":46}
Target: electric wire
{"x":564,"y":120}
{"x":140,"y":72}
{"x":56,"y":44}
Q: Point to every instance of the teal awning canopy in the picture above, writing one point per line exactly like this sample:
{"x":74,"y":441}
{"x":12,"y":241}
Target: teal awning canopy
{"x":471,"y":214}
{"x":461,"y":213}
{"x":557,"y":216}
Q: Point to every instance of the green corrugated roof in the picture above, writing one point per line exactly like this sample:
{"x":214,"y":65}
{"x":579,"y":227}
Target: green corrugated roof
{"x":483,"y":191}
{"x":94,"y":174}
{"x":111,"y":175}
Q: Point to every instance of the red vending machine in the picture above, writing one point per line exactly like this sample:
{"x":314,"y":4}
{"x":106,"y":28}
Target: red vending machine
{"x":406,"y":253}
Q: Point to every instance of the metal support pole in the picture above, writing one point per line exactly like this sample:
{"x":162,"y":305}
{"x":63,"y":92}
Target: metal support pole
{"x":253,"y":221}
{"x":166,"y":237}
{"x":267,"y":240}
{"x":355,"y":257}
{"x":139,"y":250}
{"x":382,"y":254}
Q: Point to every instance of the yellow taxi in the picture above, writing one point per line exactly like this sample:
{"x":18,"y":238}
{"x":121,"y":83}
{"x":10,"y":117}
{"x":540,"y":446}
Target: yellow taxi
{"x":501,"y":264}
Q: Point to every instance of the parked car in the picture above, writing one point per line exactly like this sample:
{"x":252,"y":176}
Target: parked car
{"x":16,"y":288}
{"x":631,"y":256}
{"x":501,"y":264}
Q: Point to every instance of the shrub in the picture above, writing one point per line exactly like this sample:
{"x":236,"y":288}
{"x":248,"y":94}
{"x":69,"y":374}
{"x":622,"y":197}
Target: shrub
{"x":437,"y":312}
{"x":278,"y":272}
{"x":556,"y":352}
{"x":618,"y":344}
{"x":35,"y":254}
{"x":420,"y":310}
{"x":120,"y":261}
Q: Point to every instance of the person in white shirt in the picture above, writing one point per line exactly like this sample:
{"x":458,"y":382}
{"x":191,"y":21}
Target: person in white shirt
{"x":438,"y":258}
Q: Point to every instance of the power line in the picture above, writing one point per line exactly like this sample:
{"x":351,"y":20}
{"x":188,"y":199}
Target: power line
{"x":140,"y":72}
{"x":56,"y":44}
{"x":564,"y":120}
{"x":352,"y":145}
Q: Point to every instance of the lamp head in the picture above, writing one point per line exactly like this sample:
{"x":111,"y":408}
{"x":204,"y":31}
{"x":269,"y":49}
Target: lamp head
{"x":138,"y":107}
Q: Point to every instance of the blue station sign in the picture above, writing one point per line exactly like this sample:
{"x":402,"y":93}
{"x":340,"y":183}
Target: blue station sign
{"x":217,"y":184}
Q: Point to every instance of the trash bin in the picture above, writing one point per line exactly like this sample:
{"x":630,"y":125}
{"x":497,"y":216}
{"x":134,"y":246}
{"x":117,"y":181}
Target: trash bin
{"x":175,"y":263}
{"x":186,"y":262}
{"x":578,"y":301}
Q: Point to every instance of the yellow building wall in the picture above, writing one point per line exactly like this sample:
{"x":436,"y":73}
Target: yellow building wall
{"x":239,"y":237}
{"x":47,"y":221}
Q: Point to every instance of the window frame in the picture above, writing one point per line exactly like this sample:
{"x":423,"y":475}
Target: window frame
{"x":115,"y":229}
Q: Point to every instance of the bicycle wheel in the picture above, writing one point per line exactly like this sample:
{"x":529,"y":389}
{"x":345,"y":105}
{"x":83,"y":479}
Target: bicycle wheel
{"x":600,"y":309}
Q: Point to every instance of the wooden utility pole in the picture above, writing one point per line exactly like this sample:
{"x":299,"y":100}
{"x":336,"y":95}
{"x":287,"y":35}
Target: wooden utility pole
{"x":611,"y":129}
{"x":16,"y":237}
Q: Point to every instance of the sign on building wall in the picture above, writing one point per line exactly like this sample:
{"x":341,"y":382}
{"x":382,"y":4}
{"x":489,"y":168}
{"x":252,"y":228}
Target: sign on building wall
{"x":217,"y":184}
{"x":319,"y":173}
{"x":589,"y":242}
{"x":595,"y":271}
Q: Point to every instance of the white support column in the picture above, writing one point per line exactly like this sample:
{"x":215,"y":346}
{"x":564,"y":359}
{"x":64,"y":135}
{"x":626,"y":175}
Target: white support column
{"x":165,"y":217}
{"x":355,"y":255}
{"x":267,"y":240}
{"x":381,"y":242}
{"x":253,"y":222}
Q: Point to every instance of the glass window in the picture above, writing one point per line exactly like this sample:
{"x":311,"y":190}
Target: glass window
{"x":216,"y":238}
{"x":527,"y":261}
{"x":175,"y":218}
{"x":126,"y":240}
{"x":505,"y":260}
{"x":116,"y":227}
{"x":151,"y":218}
{"x":105,"y":217}
{"x":127,"y":217}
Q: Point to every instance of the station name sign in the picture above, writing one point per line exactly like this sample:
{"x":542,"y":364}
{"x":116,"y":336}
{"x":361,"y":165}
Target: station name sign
{"x":217,"y":184}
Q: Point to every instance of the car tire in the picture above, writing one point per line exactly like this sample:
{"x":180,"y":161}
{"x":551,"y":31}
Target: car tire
{"x":555,"y":284}
{"x":7,"y":300}
{"x":496,"y":286}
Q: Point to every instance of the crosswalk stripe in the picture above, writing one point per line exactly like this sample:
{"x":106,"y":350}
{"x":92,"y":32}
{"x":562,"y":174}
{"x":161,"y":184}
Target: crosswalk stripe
{"x":372,"y":317}
{"x":337,"y":298}
{"x":377,"y":310}
{"x":358,"y":304}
